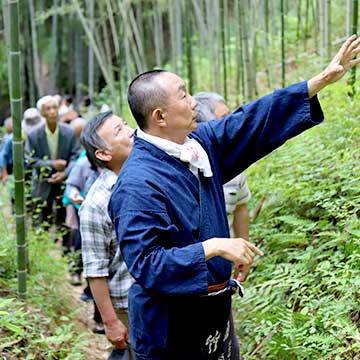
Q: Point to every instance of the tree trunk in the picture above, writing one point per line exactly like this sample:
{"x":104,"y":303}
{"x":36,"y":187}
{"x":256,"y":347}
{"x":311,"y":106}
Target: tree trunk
{"x":298,"y":26}
{"x":282,"y":43}
{"x":131,"y":42}
{"x":138,"y":40}
{"x":28,"y":59}
{"x":36,"y":60}
{"x":354,"y":29}
{"x":157,"y":34}
{"x":189,"y":55}
{"x":254,"y":21}
{"x":91,"y":68}
{"x":102,"y":64}
{"x":315,"y":25}
{"x":223,"y":49}
{"x":240,"y":77}
{"x":328,"y":30}
{"x":245,"y":44}
{"x":54,"y":55}
{"x":265,"y":44}
{"x":11,"y":11}
{"x":348,"y":17}
{"x":306,"y":27}
{"x":79,"y":61}
{"x":216,"y":43}
{"x":178,"y":31}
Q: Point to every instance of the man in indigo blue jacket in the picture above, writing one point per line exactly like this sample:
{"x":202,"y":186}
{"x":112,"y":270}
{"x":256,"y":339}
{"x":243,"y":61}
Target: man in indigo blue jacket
{"x":169,"y":212}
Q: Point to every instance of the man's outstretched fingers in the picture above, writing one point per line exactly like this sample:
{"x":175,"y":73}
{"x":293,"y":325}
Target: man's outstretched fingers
{"x":254,"y":248}
{"x":346,"y":45}
{"x":354,"y":44}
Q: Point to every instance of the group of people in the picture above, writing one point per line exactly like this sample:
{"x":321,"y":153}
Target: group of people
{"x":156,"y":247}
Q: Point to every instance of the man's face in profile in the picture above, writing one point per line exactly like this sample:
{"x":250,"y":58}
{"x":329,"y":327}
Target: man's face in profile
{"x":179,"y":111}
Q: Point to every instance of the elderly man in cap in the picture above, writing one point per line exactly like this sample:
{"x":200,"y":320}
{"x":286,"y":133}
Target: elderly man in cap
{"x":51,"y":150}
{"x":31,"y":119}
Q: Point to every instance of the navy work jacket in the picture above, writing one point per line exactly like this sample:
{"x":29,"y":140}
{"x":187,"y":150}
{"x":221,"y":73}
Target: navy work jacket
{"x":162,"y":213}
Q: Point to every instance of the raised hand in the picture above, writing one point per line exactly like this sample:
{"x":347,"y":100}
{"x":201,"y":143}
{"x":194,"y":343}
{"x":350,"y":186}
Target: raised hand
{"x":339,"y":65}
{"x":344,"y":59}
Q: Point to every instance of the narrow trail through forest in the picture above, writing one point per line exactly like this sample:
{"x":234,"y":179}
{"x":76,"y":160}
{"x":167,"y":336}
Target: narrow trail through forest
{"x":99,"y":347}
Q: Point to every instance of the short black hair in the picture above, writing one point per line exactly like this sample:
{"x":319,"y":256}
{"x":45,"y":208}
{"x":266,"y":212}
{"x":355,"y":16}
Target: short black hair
{"x":92,"y":141}
{"x":144,"y":95}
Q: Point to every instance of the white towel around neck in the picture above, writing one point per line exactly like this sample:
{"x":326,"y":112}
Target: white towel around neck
{"x":191,"y":152}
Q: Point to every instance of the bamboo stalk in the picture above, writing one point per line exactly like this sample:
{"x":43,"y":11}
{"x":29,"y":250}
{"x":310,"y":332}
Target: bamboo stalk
{"x":282,"y":43}
{"x":54,"y":48}
{"x":91,"y":68}
{"x":100,"y":60}
{"x":354,"y":28}
{"x":130,"y":41}
{"x":223,"y":50}
{"x":189,"y":55}
{"x":11,"y":10}
{"x":156,"y":35}
{"x":138,"y":38}
{"x":36,"y":60}
{"x":114,"y":33}
{"x":245,"y":46}
{"x":264,"y":39}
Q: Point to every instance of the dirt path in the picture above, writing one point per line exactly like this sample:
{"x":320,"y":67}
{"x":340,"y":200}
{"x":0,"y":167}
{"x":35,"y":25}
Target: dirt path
{"x":99,"y":347}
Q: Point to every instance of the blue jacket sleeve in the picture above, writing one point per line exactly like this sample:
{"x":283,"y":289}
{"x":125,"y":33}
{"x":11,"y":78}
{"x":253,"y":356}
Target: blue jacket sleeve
{"x":256,"y":129}
{"x":6,"y":156}
{"x":147,"y":242}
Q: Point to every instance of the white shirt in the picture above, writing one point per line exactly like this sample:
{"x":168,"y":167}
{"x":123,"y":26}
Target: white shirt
{"x":191,"y":152}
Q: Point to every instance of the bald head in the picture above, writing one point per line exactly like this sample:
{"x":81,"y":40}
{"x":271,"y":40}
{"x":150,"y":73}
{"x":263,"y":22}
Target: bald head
{"x":145,"y":94}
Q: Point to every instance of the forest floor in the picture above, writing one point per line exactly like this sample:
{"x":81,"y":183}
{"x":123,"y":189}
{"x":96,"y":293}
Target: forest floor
{"x":99,"y":347}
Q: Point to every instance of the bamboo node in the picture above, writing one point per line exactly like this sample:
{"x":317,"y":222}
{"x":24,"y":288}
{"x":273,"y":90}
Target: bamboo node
{"x":16,"y":100}
{"x":20,"y":216}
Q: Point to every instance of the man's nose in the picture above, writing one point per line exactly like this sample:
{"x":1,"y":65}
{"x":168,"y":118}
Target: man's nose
{"x":193,"y":103}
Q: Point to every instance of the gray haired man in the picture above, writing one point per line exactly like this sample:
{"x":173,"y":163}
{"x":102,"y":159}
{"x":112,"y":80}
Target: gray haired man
{"x":108,"y":142}
{"x":211,"y":106}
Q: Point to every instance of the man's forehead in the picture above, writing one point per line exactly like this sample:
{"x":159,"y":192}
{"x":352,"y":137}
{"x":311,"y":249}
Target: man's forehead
{"x":51,"y":103}
{"x":112,"y":121}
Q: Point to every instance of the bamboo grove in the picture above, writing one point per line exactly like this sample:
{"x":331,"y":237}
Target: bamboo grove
{"x":238,"y":48}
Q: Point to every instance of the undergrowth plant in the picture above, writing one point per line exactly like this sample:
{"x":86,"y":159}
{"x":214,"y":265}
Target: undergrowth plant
{"x":303,"y":295}
{"x":43,"y":327}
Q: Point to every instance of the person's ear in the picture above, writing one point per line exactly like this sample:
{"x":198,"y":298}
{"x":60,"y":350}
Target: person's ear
{"x":103,"y":154}
{"x":158,"y":117}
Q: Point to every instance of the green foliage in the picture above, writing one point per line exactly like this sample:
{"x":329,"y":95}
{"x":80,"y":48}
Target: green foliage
{"x":43,"y":327}
{"x":3,"y":70}
{"x":303,"y":295}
